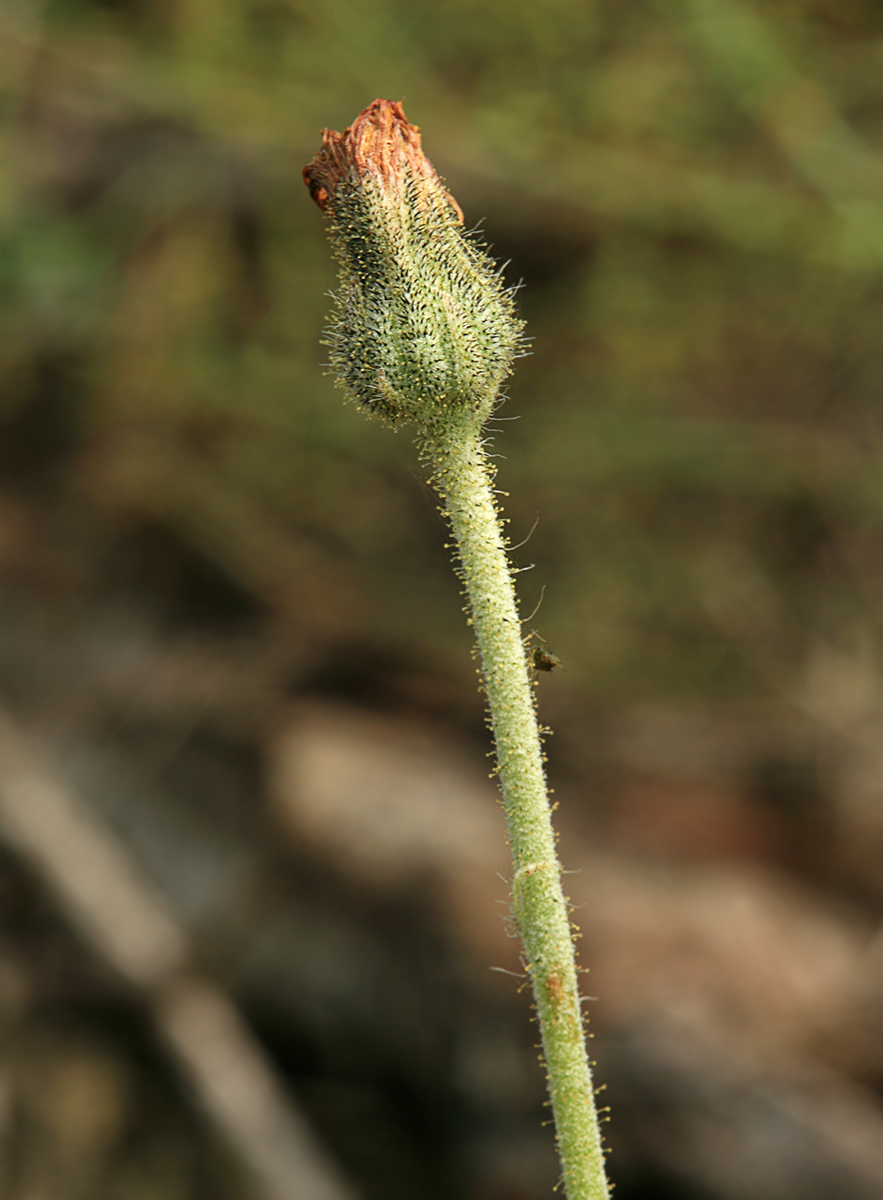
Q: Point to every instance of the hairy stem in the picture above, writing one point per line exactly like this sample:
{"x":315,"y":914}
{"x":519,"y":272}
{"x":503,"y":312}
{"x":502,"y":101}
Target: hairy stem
{"x":426,"y":332}
{"x":463,"y":478}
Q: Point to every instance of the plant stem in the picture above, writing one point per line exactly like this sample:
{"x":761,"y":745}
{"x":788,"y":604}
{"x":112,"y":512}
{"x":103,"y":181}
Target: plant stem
{"x":464,"y":479}
{"x":425,"y":333}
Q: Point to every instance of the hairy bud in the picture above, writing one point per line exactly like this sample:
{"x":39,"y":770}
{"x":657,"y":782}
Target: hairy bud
{"x":425,"y":330}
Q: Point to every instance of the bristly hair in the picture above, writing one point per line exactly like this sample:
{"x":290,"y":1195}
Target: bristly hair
{"x":424,"y":325}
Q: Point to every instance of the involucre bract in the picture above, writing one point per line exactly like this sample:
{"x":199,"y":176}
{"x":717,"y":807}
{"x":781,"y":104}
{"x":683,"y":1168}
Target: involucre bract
{"x":424,"y":328}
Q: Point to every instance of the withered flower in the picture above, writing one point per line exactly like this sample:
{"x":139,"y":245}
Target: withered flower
{"x":424,"y":328}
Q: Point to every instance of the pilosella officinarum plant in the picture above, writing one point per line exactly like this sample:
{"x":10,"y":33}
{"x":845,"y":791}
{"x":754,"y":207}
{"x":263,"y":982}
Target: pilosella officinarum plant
{"x":424,"y":334}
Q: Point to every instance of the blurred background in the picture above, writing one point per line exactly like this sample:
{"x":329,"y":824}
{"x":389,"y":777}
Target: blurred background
{"x":253,"y":915}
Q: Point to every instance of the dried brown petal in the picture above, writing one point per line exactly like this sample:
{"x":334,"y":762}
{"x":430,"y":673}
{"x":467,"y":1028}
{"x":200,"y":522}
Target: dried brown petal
{"x":380,"y":142}
{"x":424,"y":329}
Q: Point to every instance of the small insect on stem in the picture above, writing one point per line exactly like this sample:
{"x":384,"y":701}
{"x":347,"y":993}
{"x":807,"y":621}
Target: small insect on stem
{"x":541,"y":658}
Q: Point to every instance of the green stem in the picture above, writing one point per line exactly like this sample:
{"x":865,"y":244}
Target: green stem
{"x":463,"y":478}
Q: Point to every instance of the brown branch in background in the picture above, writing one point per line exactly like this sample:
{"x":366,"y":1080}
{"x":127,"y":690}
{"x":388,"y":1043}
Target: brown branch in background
{"x":126,"y":921}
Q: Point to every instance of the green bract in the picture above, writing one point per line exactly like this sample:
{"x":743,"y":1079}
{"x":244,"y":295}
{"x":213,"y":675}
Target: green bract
{"x":424,"y":325}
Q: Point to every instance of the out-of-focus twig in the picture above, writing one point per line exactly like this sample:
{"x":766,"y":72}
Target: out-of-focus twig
{"x":127,"y":922}
{"x":219,"y":1057}
{"x":87,"y":869}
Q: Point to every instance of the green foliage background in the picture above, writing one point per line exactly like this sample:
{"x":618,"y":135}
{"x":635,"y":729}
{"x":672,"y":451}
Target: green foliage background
{"x":693,"y":196}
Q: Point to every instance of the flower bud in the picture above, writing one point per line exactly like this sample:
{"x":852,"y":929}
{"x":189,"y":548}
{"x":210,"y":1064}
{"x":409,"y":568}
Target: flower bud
{"x":424,"y":330}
